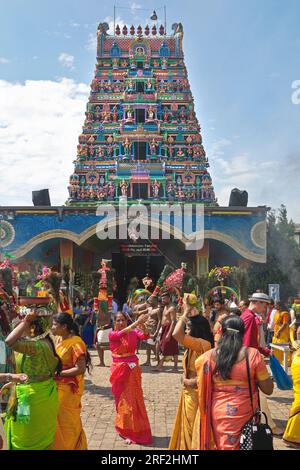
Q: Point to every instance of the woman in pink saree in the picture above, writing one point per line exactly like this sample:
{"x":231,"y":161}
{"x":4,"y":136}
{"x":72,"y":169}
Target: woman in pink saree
{"x":224,"y":399}
{"x":131,"y":420}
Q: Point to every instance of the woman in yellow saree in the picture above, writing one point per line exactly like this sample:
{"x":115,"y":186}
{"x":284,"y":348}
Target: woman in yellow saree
{"x":292,"y":432}
{"x":70,"y":383}
{"x":197,"y":339}
{"x":281,"y":332}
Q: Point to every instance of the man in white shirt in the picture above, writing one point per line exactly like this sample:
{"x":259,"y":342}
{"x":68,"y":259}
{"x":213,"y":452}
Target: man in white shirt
{"x":270,"y":325}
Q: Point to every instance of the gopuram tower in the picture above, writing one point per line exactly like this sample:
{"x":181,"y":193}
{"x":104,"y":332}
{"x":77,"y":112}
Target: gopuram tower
{"x":141,"y":138}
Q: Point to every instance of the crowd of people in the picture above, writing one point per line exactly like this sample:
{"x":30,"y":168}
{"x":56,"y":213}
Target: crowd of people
{"x":44,"y":358}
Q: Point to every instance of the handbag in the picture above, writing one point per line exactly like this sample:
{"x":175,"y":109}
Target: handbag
{"x":255,"y":435}
{"x":283,"y":381}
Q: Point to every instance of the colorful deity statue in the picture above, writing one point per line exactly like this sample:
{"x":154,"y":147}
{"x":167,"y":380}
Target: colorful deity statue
{"x":106,"y":116}
{"x":164,"y":63}
{"x":165,"y":115}
{"x":153,"y":147}
{"x":115,"y":114}
{"x":170,"y":191}
{"x":150,"y":114}
{"x":101,"y":193}
{"x":129,"y":115}
{"x":155,"y":187}
{"x":127,"y":146}
{"x":180,"y":154}
{"x":71,"y":191}
{"x":189,"y":152}
{"x":82,"y":193}
{"x":196,"y":152}
{"x":98,"y":113}
{"x":82,"y":151}
{"x":182,"y":115}
{"x":130,"y":86}
{"x":124,"y":187}
{"x":92,"y":152}
{"x":100,"y":152}
{"x":91,"y":192}
{"x":95,"y":85}
{"x":180,"y":193}
{"x":91,"y":139}
{"x":111,"y":190}
{"x":148,"y":85}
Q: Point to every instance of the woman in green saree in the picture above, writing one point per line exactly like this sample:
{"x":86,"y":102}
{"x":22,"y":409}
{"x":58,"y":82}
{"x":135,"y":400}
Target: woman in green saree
{"x":30,"y":422}
{"x":7,"y":362}
{"x":3,"y":379}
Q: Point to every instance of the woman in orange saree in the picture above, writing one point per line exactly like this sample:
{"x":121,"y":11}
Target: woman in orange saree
{"x":197,"y":339}
{"x":224,"y":400}
{"x":131,"y":420}
{"x":70,"y":384}
{"x":281,"y":333}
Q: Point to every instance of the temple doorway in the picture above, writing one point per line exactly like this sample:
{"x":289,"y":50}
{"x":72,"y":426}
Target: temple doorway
{"x":128,"y":266}
{"x":140,"y":191}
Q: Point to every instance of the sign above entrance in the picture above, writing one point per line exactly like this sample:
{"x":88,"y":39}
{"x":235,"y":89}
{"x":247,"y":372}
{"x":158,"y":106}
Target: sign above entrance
{"x":138,"y":248}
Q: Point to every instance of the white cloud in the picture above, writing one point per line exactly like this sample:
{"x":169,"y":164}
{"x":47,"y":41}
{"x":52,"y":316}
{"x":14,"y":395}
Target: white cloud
{"x":260,"y":175}
{"x":135,"y":7}
{"x":3,"y":60}
{"x":74,"y":24}
{"x":92,"y":42}
{"x":39,"y":126}
{"x":110,"y":22}
{"x":66,"y":60}
{"x":219,"y":146}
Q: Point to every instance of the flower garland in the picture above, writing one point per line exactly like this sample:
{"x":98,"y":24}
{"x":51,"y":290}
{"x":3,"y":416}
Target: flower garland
{"x":220,"y":273}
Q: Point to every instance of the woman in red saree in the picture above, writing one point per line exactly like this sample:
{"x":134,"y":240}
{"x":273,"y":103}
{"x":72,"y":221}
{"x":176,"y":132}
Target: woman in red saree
{"x":131,"y":420}
{"x":224,"y":400}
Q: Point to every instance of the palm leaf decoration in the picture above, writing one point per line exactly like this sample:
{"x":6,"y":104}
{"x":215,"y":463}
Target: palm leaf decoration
{"x":240,"y":278}
{"x":54,"y":280}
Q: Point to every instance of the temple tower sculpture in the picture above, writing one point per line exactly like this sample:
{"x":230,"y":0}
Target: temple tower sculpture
{"x":141,"y":138}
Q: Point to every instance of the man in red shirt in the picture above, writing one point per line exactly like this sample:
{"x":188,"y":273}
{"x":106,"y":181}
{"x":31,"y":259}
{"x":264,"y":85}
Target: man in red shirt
{"x":258,"y":305}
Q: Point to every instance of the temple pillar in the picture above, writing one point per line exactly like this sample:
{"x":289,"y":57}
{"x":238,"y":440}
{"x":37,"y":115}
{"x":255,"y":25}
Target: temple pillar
{"x":66,"y":254}
{"x":66,"y":259}
{"x":202,"y":260}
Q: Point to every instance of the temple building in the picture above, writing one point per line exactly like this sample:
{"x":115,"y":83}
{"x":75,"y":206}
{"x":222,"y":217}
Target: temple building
{"x":140,"y":143}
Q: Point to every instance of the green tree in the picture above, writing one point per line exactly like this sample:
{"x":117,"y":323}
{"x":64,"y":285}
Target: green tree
{"x":283,"y":257}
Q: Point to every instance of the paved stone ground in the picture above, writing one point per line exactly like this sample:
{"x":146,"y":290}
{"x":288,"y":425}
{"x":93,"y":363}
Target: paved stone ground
{"x":161,"y":394}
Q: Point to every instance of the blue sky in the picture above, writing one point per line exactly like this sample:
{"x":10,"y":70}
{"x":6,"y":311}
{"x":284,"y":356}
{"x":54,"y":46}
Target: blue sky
{"x":242,"y":58}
